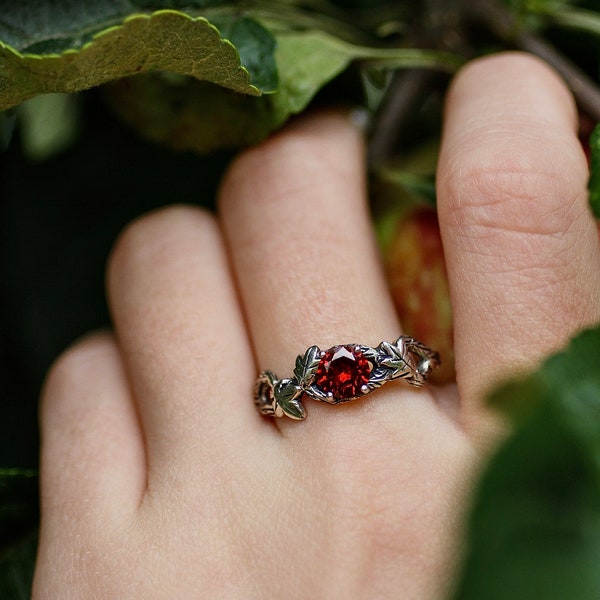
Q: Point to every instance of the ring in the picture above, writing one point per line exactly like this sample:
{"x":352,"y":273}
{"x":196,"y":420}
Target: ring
{"x":343,"y":373}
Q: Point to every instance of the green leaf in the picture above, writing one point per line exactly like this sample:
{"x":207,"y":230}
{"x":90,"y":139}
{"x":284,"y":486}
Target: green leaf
{"x":573,"y":18}
{"x":535,"y":528}
{"x":594,"y":181}
{"x":256,"y":47}
{"x":7,"y":126}
{"x":421,"y":185}
{"x":192,"y":115}
{"x":306,"y":61}
{"x":79,"y":46}
{"x":53,"y":26}
{"x":165,"y":41}
{"x":48,"y":124}
{"x":16,"y":568}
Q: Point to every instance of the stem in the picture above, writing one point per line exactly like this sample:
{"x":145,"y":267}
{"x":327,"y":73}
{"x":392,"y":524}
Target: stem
{"x":439,"y":28}
{"x":500,"y":21}
{"x":586,"y":92}
{"x":402,"y":98}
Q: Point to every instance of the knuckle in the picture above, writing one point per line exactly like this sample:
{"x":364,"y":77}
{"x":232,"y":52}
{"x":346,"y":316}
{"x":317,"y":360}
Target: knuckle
{"x":514,"y":188}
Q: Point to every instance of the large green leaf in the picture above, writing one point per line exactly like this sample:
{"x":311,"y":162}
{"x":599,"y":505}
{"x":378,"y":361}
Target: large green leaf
{"x":80,"y":46}
{"x":53,"y":26}
{"x":165,"y":40}
{"x":191,"y":115}
{"x":594,"y":181}
{"x":49,"y":124}
{"x":535,"y":528}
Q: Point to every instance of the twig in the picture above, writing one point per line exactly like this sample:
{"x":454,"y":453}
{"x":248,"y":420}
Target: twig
{"x":438,"y":26}
{"x":586,"y":92}
{"x":403,"y":96}
{"x":500,"y":21}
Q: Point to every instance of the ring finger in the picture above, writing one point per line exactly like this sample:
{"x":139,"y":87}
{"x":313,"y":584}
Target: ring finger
{"x":295,"y":214}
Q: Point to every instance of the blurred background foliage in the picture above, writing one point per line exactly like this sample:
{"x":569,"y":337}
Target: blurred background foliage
{"x":76,"y":168}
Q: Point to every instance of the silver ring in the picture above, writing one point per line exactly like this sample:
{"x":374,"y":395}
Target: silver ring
{"x":343,"y":373}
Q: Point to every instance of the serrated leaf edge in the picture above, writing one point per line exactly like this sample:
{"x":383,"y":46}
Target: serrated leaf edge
{"x":250,"y":89}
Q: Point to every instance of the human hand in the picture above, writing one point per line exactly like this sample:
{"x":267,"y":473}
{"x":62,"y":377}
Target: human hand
{"x":159,"y":478}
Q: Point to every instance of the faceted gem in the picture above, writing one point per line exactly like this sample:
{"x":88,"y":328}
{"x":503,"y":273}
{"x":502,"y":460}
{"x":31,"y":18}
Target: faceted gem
{"x":342,"y":372}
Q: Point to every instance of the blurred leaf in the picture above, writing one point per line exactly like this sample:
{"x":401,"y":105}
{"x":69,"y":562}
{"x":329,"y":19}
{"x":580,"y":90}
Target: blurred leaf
{"x":16,"y":568}
{"x":7,"y":126}
{"x":569,"y":382}
{"x":375,"y":84}
{"x":166,"y":40}
{"x":400,"y":185}
{"x":183,"y":5}
{"x":48,"y":124}
{"x":574,"y":18}
{"x":594,"y":181}
{"x":194,"y":115}
{"x":418,"y":283}
{"x":109,"y":43}
{"x":421,"y":185}
{"x":535,"y":528}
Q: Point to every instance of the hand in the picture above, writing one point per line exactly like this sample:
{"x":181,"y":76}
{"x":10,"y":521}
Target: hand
{"x":160,"y":480}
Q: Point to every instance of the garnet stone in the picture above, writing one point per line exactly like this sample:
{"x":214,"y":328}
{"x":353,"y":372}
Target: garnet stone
{"x":342,"y":372}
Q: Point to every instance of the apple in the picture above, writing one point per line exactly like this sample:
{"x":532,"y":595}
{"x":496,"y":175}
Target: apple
{"x":419,"y":285}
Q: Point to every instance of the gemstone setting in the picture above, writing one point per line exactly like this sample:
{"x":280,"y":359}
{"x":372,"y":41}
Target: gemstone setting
{"x":343,"y":373}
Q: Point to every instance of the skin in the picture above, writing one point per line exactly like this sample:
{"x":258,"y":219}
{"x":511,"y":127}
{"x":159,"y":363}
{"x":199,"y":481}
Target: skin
{"x":159,"y":479}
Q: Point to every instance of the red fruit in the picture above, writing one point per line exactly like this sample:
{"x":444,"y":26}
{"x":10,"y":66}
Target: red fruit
{"x":419,"y":286}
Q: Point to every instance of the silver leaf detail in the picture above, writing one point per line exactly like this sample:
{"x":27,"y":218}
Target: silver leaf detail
{"x":378,"y":377}
{"x":306,"y":366}
{"x":393,"y":357}
{"x":264,"y":397}
{"x":287,"y":396}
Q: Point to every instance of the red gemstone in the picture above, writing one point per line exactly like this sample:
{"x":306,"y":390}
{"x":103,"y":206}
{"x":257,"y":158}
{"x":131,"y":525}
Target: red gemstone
{"x":343,"y":371}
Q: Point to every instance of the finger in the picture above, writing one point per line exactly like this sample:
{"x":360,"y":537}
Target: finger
{"x":295,"y":215}
{"x":520,"y":243}
{"x":182,"y":337}
{"x":92,"y":458}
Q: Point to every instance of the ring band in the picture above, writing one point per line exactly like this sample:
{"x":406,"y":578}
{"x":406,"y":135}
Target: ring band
{"x":343,"y":373}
